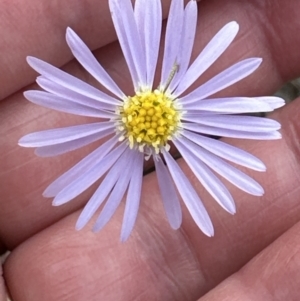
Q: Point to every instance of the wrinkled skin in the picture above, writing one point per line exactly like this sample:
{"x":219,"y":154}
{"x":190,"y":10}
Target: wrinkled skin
{"x":255,"y":255}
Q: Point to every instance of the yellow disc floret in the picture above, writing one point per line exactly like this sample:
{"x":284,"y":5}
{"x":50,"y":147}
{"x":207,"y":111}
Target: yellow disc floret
{"x":149,"y":119}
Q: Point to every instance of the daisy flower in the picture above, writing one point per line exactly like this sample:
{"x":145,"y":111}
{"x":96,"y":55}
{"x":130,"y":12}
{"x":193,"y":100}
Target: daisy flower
{"x":143,"y":124}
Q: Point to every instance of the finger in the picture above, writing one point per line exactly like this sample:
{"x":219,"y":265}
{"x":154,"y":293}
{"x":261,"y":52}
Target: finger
{"x":272,"y":275}
{"x":184,"y":269}
{"x":109,"y":279}
{"x":22,"y":170}
{"x":263,"y":21}
{"x":2,"y":286}
{"x":156,"y":262}
{"x":38,"y":29}
{"x":236,"y":245}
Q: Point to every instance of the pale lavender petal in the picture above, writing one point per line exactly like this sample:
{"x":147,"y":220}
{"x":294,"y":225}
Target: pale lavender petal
{"x":89,"y":178}
{"x":223,"y":80}
{"x":186,"y":43}
{"x":218,"y":44}
{"x":62,"y":148}
{"x":117,"y":194}
{"x":133,"y":197}
{"x":231,"y":105}
{"x":209,"y":130}
{"x":141,"y":7}
{"x":208,"y":179}
{"x":148,"y":15}
{"x":168,"y":193}
{"x":134,"y":41}
{"x":226,"y":151}
{"x":123,"y":16}
{"x":238,"y":123}
{"x":61,"y":104}
{"x":71,"y":82}
{"x":189,"y":196}
{"x":116,"y":14}
{"x":110,"y":180}
{"x":273,"y":101}
{"x":61,"y":135}
{"x":85,"y":57}
{"x":172,"y":40}
{"x":80,"y":168}
{"x":230,"y":173}
{"x":68,"y":94}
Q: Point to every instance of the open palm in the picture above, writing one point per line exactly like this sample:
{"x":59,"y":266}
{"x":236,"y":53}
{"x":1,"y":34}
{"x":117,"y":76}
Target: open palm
{"x":254,"y":254}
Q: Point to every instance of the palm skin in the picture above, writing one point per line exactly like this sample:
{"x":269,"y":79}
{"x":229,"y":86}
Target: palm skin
{"x":254,"y":254}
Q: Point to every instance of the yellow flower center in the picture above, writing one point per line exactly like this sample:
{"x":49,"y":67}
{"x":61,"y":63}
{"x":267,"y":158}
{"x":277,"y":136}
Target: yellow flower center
{"x":149,"y":119}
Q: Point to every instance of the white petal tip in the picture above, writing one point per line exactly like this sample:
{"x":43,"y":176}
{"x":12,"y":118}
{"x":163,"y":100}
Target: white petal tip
{"x":278,"y":99}
{"x":175,"y":226}
{"x":274,"y":136}
{"x":79,"y":226}
{"x":97,"y":228}
{"x":231,"y":210}
{"x":31,"y":61}
{"x":254,"y":63}
{"x":29,"y":58}
{"x":82,"y":221}
{"x":261,"y":168}
{"x":209,"y":232}
{"x":27,"y":94}
{"x":23,"y":142}
{"x":276,"y":125}
{"x":48,"y":195}
{"x":234,"y":24}
{"x":280,"y":103}
{"x":175,"y":223}
{"x":274,"y":102}
{"x":124,"y":237}
{"x":70,"y":33}
{"x":232,"y":27}
{"x":41,"y":155}
{"x":26,"y":141}
{"x":277,"y":135}
{"x":258,"y":60}
{"x":259,"y":192}
{"x":58,"y":202}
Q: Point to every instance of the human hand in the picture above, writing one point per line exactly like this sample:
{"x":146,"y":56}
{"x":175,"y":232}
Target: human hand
{"x":157,"y":263}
